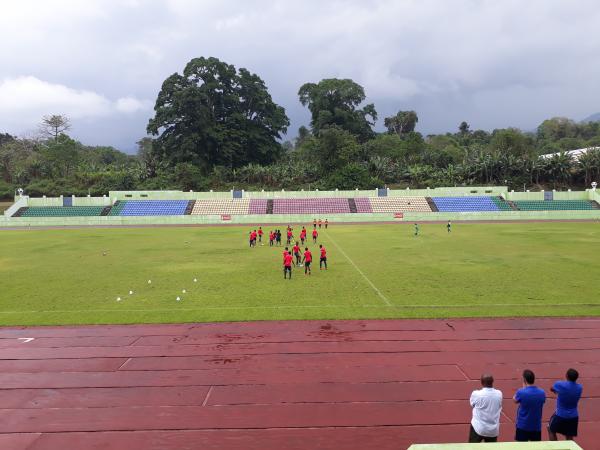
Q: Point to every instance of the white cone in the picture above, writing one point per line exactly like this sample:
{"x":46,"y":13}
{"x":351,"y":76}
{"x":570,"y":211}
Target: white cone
{"x":130,"y":292}
{"x":195,"y":280}
{"x":183,"y":291}
{"x":149,"y":281}
{"x":177,"y":299}
{"x":118,"y":299}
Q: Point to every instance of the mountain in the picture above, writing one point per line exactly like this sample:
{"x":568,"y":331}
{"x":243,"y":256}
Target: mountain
{"x":592,"y":118}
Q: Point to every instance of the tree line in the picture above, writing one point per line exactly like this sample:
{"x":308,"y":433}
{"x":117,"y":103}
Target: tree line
{"x":217,"y":127}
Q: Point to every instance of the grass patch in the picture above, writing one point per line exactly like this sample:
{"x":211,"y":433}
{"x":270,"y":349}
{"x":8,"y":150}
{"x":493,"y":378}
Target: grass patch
{"x":479,"y":270}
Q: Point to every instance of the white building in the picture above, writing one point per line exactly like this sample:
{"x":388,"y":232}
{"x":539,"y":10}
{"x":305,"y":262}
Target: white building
{"x":574,"y":153}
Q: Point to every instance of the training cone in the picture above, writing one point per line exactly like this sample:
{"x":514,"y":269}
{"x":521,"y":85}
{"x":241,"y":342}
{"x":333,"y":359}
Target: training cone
{"x":130,"y":292}
{"x":195,"y":280}
{"x":178,"y":298}
{"x":183,"y":291}
{"x":118,"y":299}
{"x":149,"y":281}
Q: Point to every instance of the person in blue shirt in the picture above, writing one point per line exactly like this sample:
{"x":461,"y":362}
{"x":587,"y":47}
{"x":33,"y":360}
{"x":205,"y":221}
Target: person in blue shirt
{"x":566,"y":418}
{"x":531,"y":401}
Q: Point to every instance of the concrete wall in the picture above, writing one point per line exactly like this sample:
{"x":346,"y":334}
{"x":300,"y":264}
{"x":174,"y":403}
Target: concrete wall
{"x":179,"y":195}
{"x":92,"y":201}
{"x":558,"y":195}
{"x":20,"y":202}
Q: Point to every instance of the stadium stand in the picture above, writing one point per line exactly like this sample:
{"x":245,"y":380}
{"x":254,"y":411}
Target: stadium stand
{"x":311,"y":206}
{"x":399,"y":204}
{"x":465,"y":204}
{"x":238,"y":206}
{"x":260,"y":206}
{"x":363,"y":205}
{"x":150,"y":208}
{"x":553,"y":205}
{"x":62,"y":211}
{"x":502,"y":204}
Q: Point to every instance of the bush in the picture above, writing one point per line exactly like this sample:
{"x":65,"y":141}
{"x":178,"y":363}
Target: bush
{"x":352,"y":176}
{"x":7,"y":191}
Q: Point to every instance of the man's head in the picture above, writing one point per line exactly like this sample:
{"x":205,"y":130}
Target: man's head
{"x":528,"y":376}
{"x":321,"y":246}
{"x":305,"y":248}
{"x":487,"y":380}
{"x":286,"y":249}
{"x":572,"y":375}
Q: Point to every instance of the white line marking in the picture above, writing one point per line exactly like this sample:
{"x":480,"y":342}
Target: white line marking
{"x":383,"y":297}
{"x":25,"y":340}
{"x":207,"y":396}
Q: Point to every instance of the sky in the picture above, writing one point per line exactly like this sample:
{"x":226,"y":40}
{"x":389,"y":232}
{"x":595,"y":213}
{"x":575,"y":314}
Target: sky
{"x":495,"y":63}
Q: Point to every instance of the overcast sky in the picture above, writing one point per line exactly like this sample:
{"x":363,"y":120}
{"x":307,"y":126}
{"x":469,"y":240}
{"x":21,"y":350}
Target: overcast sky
{"x":492,"y":63}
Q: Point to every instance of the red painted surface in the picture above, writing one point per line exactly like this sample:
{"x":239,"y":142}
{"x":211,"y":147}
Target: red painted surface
{"x":279,"y":385}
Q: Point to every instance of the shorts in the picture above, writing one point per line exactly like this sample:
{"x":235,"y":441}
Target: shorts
{"x":475,"y":438}
{"x":324,"y":259}
{"x":287,"y":269}
{"x":524,"y":435}
{"x":307,"y":263}
{"x":566,"y":427}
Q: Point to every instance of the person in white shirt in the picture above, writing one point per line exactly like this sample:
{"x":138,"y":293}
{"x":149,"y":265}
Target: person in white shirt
{"x":487,"y":405}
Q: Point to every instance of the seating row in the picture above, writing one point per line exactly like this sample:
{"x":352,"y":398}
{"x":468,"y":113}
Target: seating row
{"x":320,"y":207}
{"x":553,"y":205}
{"x":61,"y":211}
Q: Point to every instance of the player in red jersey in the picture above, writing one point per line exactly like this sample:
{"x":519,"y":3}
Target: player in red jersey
{"x":315,"y":234}
{"x":320,"y":223}
{"x":260,"y":234}
{"x":296,"y":252}
{"x":271,"y":238}
{"x":290,"y":235}
{"x":252,"y":238}
{"x":314,"y":223}
{"x":303,"y":235}
{"x":323,"y":259}
{"x":287,"y":264}
{"x":307,"y":260}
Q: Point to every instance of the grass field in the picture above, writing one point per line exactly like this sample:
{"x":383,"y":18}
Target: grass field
{"x":376,"y":271}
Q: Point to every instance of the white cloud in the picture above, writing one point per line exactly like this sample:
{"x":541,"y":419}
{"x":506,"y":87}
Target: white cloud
{"x":24,"y":100}
{"x":129,"y":105}
{"x":30,"y":95}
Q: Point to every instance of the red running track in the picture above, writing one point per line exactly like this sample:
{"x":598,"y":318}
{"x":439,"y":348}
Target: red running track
{"x":279,"y":385}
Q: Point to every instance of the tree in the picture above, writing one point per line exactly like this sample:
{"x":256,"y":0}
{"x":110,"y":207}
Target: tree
{"x":403,"y":122}
{"x":557,"y":128}
{"x":5,"y":138}
{"x":334,"y":148}
{"x":335,"y":102}
{"x":513,"y":141}
{"x":63,"y":155}
{"x":55,"y":125}
{"x":303,"y":135}
{"x":213,"y":114}
{"x":463,"y":128}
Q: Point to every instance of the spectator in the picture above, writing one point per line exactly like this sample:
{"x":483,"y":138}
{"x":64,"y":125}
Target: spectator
{"x":566,"y":418}
{"x":531,"y":401}
{"x":487,"y":405}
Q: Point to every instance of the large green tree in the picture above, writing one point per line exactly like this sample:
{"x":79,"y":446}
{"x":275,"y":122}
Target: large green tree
{"x":335,"y":102}
{"x":401,"y":123}
{"x":213,"y":114}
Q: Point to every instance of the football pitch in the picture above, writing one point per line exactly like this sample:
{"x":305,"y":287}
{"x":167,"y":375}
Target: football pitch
{"x":84,"y":276}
